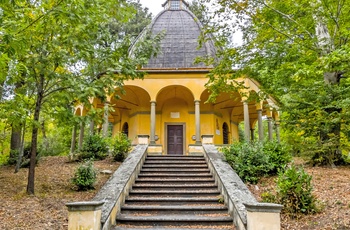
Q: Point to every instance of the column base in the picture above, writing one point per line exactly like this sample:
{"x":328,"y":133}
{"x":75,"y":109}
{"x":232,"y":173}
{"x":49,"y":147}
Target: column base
{"x":194,"y":150}
{"x":155,"y":149}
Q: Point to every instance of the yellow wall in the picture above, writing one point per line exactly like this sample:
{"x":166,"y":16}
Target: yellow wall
{"x":177,"y":93}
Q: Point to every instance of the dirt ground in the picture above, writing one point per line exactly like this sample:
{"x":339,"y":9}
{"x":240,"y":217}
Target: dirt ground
{"x":331,"y":187}
{"x":46,"y":210}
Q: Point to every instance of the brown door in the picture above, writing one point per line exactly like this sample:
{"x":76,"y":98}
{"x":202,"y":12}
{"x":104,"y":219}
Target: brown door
{"x":175,"y":139}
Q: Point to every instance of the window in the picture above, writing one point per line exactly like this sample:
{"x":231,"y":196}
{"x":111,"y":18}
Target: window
{"x":175,"y":5}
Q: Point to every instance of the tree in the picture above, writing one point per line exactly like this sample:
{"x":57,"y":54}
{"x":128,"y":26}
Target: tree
{"x":299,"y":51}
{"x":64,"y":49}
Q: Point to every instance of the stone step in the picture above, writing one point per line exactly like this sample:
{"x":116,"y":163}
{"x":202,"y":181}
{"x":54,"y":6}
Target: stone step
{"x":143,"y":227}
{"x":175,"y":170}
{"x":174,"y":180}
{"x":157,"y":200}
{"x":166,"y":158}
{"x":176,"y":166}
{"x":171,"y":175}
{"x":168,"y":208}
{"x":172,"y":193}
{"x":174,"y":186}
{"x":176,"y":220}
{"x":178,"y":210}
{"x":179,"y":162}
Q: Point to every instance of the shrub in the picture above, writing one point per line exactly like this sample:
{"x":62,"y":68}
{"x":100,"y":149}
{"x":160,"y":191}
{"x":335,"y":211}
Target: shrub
{"x":279,"y":155}
{"x":254,"y":160}
{"x":84,"y":176}
{"x":25,"y":158}
{"x":121,"y":145}
{"x":294,"y":191}
{"x":248,"y":160}
{"x":94,"y":147}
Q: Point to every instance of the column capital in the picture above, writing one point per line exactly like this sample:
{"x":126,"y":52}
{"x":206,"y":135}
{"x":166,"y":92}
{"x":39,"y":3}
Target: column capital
{"x":197,"y":101}
{"x":153,"y":102}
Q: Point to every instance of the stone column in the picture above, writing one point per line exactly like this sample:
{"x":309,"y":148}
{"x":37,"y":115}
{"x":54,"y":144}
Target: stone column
{"x":278,"y":135}
{"x":260,"y":125}
{"x":153,"y":123}
{"x":252,"y":134}
{"x":81,"y":135}
{"x":72,"y":146}
{"x":92,"y":127}
{"x":198,"y":121}
{"x":269,"y":120}
{"x":246,"y":121}
{"x":105,"y":120}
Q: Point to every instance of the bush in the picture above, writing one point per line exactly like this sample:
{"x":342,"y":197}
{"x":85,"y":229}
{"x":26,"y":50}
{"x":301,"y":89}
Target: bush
{"x":254,"y":160}
{"x":94,"y":147}
{"x":248,"y":160}
{"x":85,"y":176}
{"x":294,"y":191}
{"x":121,"y":145}
{"x":25,"y":158}
{"x":279,"y":155}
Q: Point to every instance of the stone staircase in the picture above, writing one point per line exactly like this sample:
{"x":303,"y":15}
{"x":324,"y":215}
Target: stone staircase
{"x":175,"y":192}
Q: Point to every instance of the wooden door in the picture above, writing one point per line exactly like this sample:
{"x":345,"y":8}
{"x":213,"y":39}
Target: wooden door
{"x":175,"y":139}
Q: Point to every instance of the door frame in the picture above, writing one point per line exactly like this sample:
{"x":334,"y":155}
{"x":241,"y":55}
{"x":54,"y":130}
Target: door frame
{"x":183,"y":124}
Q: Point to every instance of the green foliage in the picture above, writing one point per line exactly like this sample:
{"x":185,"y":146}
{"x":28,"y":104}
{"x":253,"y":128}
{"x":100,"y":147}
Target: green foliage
{"x":3,"y":159}
{"x":120,"y":147}
{"x":248,"y":160}
{"x":306,"y":73}
{"x":254,"y":160}
{"x":279,"y":155}
{"x":94,"y":147}
{"x":53,"y":146}
{"x":84,"y":176}
{"x":13,"y":158}
{"x":294,"y":191}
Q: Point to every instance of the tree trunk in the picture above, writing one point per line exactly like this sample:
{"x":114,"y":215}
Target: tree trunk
{"x":15,"y":144}
{"x":45,"y":141}
{"x":333,"y":154}
{"x":33,"y":151}
{"x":21,"y":151}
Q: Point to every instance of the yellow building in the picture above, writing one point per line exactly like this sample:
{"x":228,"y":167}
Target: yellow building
{"x":168,"y":109}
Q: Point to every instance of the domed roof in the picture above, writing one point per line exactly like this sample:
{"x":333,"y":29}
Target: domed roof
{"x":179,"y":47}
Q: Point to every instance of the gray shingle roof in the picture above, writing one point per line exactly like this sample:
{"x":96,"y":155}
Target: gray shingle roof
{"x":179,"y":47}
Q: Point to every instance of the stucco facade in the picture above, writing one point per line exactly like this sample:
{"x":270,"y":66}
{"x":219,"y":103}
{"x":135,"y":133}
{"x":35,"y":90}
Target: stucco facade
{"x":169,"y":106}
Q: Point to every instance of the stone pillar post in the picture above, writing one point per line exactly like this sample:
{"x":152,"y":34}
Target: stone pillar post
{"x":278,"y":135}
{"x":269,"y":120}
{"x":105,"y":120}
{"x":92,"y":127}
{"x":153,"y":123}
{"x":84,"y":215}
{"x":198,"y":121}
{"x":260,"y":125}
{"x":81,"y":135}
{"x":72,"y":146}
{"x":252,"y":134}
{"x":246,"y":121}
{"x":261,"y":216}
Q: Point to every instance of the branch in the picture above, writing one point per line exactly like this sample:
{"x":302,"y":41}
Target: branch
{"x":55,"y":90}
{"x":286,"y":16}
{"x":40,"y":17}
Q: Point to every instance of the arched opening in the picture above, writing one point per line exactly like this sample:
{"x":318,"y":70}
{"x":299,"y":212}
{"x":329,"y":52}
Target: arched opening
{"x":225,"y":133}
{"x":125,"y":129}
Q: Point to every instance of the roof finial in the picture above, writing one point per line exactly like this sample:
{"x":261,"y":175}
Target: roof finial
{"x":175,"y":5}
